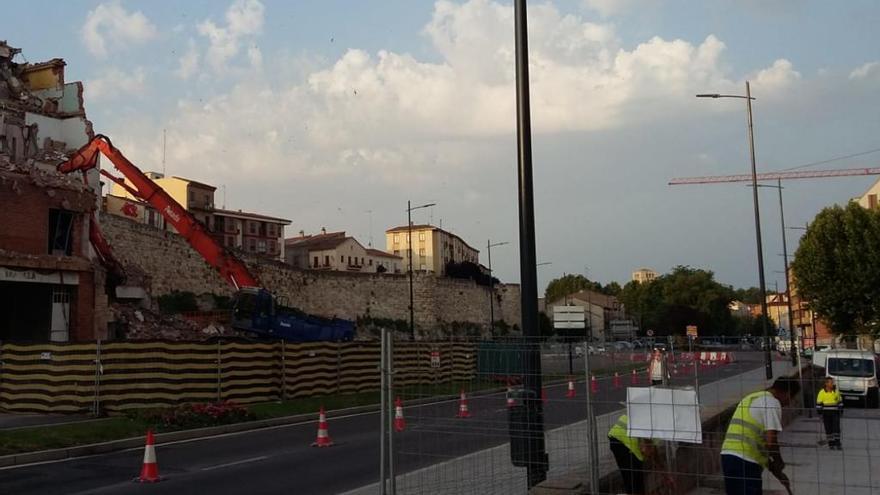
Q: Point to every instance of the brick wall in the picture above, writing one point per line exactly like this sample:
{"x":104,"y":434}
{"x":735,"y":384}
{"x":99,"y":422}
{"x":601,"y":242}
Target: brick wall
{"x":439,"y":302}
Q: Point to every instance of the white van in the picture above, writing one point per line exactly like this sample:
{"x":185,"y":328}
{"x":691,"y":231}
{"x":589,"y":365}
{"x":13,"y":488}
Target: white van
{"x":854,"y":372}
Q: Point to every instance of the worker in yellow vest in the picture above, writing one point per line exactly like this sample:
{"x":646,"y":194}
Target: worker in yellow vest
{"x":751,"y":443}
{"x":830,"y":406}
{"x":631,"y":455}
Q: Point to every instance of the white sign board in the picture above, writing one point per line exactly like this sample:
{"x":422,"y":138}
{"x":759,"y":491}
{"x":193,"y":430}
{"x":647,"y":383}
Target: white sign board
{"x":568,"y":317}
{"x":664,"y":413}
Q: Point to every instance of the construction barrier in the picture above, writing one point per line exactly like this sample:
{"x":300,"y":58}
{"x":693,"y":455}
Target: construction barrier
{"x":115,"y":376}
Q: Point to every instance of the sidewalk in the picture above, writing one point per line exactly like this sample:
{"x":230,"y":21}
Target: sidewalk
{"x":814,"y":469}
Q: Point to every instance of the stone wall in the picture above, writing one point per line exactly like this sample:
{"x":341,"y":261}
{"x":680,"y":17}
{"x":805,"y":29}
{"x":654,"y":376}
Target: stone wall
{"x":441,"y":304}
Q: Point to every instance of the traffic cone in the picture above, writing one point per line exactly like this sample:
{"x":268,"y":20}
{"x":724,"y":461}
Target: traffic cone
{"x":323,"y":439}
{"x":511,"y":402}
{"x":616,"y":380}
{"x":571,"y":390}
{"x":594,"y":384}
{"x":635,"y":378}
{"x":463,"y":406}
{"x":399,"y":422}
{"x":150,"y":470}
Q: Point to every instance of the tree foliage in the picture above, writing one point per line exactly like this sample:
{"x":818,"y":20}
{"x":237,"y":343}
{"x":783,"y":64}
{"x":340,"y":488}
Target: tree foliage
{"x":469,"y":270}
{"x":570,"y":284}
{"x":837,"y":268}
{"x":686,"y":296}
{"x":752,"y":295}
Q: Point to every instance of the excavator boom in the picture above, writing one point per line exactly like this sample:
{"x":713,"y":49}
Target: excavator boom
{"x":231,"y":268}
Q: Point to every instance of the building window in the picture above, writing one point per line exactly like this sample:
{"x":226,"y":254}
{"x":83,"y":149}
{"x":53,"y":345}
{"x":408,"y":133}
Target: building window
{"x":316,"y":261}
{"x":397,"y":252}
{"x":422,"y":252}
{"x":326,"y":260}
{"x":371,"y":262}
{"x":252,"y":245}
{"x":261,"y":246}
{"x":60,"y":232}
{"x":421,"y":236}
{"x":252,"y":227}
{"x":396,"y":238}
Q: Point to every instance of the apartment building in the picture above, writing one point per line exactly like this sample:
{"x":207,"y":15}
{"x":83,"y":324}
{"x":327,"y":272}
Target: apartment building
{"x":432,"y":248}
{"x":338,"y":252}
{"x":643,"y":275}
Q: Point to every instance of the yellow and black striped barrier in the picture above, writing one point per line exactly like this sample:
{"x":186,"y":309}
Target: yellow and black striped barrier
{"x":114,"y":376}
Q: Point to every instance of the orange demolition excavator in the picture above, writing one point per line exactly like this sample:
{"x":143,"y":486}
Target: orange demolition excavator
{"x":255,"y":309}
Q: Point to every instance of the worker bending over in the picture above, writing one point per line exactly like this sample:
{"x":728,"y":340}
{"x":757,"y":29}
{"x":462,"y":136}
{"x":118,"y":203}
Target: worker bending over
{"x":631,"y":455}
{"x":751,"y":443}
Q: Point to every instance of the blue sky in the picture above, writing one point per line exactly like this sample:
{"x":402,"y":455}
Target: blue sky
{"x":321,"y":111}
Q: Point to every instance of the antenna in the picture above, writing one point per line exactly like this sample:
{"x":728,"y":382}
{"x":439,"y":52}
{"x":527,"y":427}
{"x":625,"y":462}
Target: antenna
{"x":370,"y":212}
{"x":163,"y":155}
{"x":224,"y":195}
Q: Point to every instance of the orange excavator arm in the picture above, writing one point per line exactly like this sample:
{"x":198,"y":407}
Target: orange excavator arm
{"x":231,"y":268}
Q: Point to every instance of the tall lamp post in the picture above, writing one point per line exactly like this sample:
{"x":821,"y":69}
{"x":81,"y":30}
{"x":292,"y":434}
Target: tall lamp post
{"x":489,"y":247}
{"x":537,"y":459}
{"x":768,"y":364}
{"x":412,"y":313}
{"x":791,"y":330}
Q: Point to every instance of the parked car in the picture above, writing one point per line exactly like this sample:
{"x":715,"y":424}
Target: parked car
{"x":855,"y":373}
{"x":622,"y":346}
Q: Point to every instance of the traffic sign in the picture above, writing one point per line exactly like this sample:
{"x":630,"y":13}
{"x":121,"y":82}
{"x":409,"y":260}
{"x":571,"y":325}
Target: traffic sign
{"x":568,"y":317}
{"x":650,"y":333}
{"x":435,"y":359}
{"x":692,"y":330}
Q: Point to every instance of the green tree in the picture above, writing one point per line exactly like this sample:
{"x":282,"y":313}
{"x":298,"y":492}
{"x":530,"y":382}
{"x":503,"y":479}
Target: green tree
{"x":685,"y":296}
{"x":837,"y":268}
{"x":752,"y":295}
{"x":567,"y":285}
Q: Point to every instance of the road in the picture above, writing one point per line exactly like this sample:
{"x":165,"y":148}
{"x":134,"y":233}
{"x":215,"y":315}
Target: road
{"x":280,"y":460}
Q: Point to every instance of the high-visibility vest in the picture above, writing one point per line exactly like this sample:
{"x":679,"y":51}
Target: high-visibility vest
{"x":828,"y":399}
{"x":618,"y":432}
{"x":745,"y":434}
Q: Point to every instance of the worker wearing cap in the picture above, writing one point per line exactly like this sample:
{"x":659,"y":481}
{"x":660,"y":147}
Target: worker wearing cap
{"x":631,"y":455}
{"x":830,"y":406}
{"x":751,"y":443}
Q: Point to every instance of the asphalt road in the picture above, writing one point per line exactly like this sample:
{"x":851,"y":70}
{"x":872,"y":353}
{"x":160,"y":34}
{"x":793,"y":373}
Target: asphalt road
{"x":280,"y":460}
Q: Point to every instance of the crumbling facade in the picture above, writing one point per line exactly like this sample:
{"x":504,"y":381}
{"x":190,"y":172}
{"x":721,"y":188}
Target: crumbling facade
{"x":51,"y":285}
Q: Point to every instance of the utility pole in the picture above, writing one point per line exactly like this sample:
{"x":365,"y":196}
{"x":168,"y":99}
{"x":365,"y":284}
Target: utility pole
{"x":768,"y":363}
{"x":412,"y":313}
{"x":534,"y":414}
{"x":489,"y":247}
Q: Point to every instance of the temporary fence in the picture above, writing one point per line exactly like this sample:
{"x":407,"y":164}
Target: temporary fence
{"x":114,"y":376}
{"x":473,"y":443}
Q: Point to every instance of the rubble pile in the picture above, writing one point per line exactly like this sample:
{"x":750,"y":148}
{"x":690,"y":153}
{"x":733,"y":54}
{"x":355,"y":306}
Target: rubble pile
{"x":143,"y":324}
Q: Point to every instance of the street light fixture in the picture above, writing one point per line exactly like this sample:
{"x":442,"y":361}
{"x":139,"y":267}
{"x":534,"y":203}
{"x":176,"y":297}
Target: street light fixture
{"x":768,"y":364}
{"x":779,"y":187}
{"x":545,"y":263}
{"x":489,"y":246}
{"x":409,"y":210}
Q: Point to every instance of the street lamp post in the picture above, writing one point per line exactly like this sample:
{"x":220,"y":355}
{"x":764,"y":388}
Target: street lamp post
{"x":412,"y":313}
{"x":489,"y":247}
{"x":791,"y":330}
{"x":768,"y":364}
{"x":537,"y":464}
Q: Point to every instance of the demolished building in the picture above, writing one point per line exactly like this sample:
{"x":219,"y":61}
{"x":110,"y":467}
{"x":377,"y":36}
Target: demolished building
{"x":51,"y":283}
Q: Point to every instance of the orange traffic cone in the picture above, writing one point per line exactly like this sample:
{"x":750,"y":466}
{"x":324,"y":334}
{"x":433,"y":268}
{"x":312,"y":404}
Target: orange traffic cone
{"x":399,"y":422}
{"x":462,"y":406}
{"x":323,"y":439}
{"x":594,"y":384}
{"x":511,"y":402}
{"x":150,"y":470}
{"x":635,"y":378}
{"x":616,"y":380}
{"x":571,"y":390}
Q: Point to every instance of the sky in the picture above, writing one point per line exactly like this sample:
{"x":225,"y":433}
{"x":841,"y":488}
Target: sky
{"x":334,"y":113}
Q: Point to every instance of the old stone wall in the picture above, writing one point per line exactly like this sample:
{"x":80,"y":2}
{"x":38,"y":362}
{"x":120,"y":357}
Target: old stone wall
{"x":441,"y":304}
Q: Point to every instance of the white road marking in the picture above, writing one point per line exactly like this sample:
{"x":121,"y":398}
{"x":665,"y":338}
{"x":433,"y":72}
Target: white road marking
{"x":236,"y":463}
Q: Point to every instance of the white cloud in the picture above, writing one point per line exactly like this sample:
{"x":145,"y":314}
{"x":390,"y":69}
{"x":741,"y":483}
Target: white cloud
{"x":115,"y":83}
{"x":109,"y":27}
{"x":395,"y":117}
{"x":244,"y":20}
{"x":779,"y":76}
{"x":865,"y":71}
{"x":188,"y":63}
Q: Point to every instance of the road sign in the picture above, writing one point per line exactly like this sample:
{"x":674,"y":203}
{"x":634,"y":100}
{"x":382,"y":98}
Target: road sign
{"x":650,"y":333}
{"x":692,"y":330}
{"x":435,"y":359}
{"x":568,"y":317}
